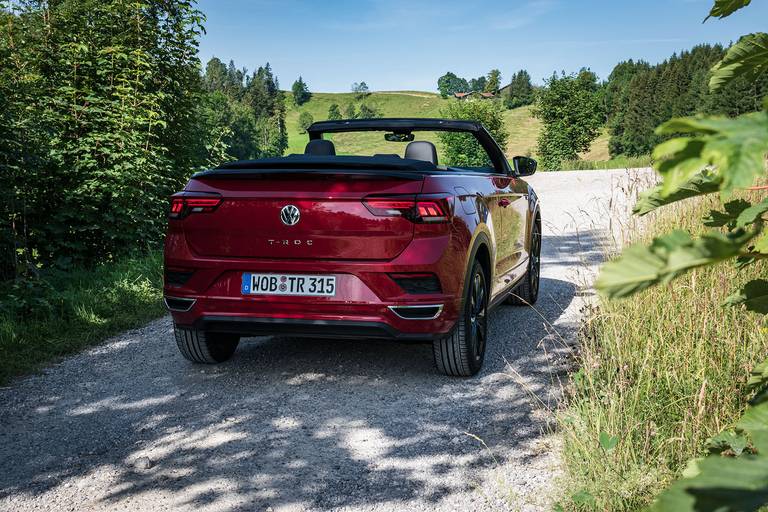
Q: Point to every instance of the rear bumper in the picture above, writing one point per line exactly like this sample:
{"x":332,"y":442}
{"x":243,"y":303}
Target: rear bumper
{"x":367,"y":302}
{"x":315,"y":318}
{"x":335,"y":329}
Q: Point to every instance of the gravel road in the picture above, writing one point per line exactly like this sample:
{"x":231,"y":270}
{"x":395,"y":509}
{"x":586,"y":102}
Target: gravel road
{"x":315,"y":425}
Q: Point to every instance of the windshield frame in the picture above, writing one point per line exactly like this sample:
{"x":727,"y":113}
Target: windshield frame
{"x":407,"y":125}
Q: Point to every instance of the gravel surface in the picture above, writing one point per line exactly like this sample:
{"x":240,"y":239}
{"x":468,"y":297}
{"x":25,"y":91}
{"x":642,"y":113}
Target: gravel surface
{"x":294,"y":424}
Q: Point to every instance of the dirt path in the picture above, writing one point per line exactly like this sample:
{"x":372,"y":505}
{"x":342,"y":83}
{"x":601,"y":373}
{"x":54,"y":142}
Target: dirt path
{"x":311,"y":425}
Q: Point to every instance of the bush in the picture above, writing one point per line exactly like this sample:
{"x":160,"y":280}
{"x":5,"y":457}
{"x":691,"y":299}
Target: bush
{"x":368,"y":112}
{"x":101,"y":96}
{"x":305,"y":121}
{"x":462,"y":149}
{"x":571,"y":111}
{"x":58,"y":312}
{"x":334,"y":112}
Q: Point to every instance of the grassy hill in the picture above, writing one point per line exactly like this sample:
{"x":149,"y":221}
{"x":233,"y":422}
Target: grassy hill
{"x":523,"y":128}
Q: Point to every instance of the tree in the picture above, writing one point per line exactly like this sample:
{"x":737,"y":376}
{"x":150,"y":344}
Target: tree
{"x":361,"y":90}
{"x":493,"y":83}
{"x":462,"y":149}
{"x":520,"y":91}
{"x":368,"y":112}
{"x":571,"y":112}
{"x":305,"y":121}
{"x":350,"y":112}
{"x":478,"y":84}
{"x":301,"y":93}
{"x":251,"y":122}
{"x":334,"y":112}
{"x":107,"y":128}
{"x":449,"y":84}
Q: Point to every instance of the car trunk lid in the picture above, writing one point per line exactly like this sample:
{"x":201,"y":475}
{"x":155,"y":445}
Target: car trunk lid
{"x":300,"y":215}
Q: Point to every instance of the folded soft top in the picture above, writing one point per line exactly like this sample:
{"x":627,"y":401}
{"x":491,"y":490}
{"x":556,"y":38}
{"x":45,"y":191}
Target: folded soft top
{"x":322,"y":164}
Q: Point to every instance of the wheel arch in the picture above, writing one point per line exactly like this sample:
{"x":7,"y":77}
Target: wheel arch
{"x":481,"y":251}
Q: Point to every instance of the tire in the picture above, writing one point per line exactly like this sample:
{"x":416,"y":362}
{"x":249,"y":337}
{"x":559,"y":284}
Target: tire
{"x":205,"y":347}
{"x":461,"y":353}
{"x":527,"y":292}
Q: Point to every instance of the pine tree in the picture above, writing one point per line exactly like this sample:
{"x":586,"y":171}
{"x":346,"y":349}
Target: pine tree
{"x":493,"y":83}
{"x":520,"y":90}
{"x":301,"y":93}
{"x":334,"y":113}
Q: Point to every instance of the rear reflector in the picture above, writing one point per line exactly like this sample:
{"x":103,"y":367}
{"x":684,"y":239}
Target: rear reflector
{"x":419,"y":209}
{"x":417,"y":284}
{"x":177,"y":277}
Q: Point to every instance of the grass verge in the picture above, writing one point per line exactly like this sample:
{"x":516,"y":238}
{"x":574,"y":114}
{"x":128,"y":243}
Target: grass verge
{"x":614,"y":163}
{"x":660,"y":373}
{"x":63,"y":312}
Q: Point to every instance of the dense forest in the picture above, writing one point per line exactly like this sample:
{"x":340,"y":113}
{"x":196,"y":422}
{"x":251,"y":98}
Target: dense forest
{"x":638,"y":97}
{"x":104,"y":112}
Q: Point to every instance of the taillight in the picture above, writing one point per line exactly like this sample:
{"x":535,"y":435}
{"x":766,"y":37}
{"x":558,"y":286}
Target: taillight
{"x":183,"y":205}
{"x":420,"y":209}
{"x":390,"y":207}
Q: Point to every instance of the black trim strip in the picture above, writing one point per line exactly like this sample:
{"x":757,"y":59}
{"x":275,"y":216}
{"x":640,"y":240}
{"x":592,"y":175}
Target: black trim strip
{"x":338,"y":329}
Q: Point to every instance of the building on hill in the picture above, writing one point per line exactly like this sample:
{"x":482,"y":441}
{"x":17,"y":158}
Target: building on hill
{"x":467,"y":95}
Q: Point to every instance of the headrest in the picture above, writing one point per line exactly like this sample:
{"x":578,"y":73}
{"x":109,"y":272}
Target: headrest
{"x":421,"y":150}
{"x":320,"y":147}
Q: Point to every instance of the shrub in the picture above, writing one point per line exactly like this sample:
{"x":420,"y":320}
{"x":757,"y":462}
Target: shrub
{"x":305,"y":121}
{"x":462,"y":149}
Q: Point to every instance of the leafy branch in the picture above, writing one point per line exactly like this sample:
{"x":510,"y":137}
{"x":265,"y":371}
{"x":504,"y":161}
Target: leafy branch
{"x":707,"y":155}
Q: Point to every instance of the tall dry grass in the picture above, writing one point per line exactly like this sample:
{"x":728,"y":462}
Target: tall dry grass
{"x":662,"y":371}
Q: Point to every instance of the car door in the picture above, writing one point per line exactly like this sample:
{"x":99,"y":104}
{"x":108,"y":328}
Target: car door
{"x":518,"y":226}
{"x":495,"y":199}
{"x":511,"y":240}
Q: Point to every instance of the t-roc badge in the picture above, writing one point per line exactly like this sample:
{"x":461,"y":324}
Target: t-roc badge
{"x":290,"y":215}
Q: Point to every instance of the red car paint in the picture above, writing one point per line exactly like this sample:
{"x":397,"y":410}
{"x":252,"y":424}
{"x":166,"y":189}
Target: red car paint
{"x":221,"y":228}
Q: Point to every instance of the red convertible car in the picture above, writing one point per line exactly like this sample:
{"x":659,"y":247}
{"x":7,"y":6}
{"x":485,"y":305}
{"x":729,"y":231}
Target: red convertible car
{"x":377,"y":246}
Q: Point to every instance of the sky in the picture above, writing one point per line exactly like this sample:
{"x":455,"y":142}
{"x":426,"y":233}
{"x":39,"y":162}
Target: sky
{"x":408,"y":44}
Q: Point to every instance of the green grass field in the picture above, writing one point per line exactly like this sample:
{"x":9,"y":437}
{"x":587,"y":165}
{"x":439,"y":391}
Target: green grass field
{"x":523,"y":128}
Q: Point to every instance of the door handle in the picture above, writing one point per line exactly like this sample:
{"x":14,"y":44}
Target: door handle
{"x":504,"y":202}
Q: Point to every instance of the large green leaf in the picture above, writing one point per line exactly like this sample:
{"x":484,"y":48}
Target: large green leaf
{"x":667,"y":257}
{"x":753,"y":213}
{"x":704,"y":182}
{"x":729,"y":217}
{"x":723,"y":8}
{"x":747,"y":58}
{"x":754,"y":296}
{"x":735,"y":147}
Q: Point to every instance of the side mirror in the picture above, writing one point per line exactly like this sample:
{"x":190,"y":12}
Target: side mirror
{"x":524,"y":166}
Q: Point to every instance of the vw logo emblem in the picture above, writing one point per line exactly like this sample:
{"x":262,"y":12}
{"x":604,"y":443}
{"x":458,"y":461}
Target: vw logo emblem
{"x":290,"y":215}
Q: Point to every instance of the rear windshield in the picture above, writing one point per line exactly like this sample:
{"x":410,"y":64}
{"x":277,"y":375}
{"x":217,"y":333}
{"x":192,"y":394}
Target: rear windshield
{"x":454,"y":149}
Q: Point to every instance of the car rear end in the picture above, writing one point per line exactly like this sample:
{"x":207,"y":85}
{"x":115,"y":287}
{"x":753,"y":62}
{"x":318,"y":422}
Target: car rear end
{"x":313,"y":252}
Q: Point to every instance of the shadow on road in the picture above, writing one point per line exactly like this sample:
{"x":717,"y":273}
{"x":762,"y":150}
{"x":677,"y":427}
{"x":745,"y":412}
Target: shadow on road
{"x":308,"y":423}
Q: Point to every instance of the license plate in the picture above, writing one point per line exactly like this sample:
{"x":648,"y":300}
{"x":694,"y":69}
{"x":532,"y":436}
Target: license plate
{"x":289,"y":284}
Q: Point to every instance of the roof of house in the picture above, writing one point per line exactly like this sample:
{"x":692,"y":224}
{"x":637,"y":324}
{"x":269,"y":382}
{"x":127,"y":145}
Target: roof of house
{"x":461,"y":95}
